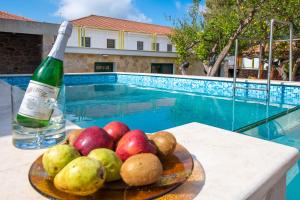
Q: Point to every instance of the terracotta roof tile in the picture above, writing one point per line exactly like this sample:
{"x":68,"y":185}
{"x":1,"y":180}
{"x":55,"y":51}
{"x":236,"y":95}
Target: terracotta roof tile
{"x":109,"y":23}
{"x":6,"y":15}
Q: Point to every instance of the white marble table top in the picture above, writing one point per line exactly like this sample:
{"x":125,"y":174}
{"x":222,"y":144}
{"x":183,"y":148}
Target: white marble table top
{"x":236,"y":166}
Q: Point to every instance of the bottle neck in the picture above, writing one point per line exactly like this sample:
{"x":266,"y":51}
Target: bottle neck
{"x":59,"y":47}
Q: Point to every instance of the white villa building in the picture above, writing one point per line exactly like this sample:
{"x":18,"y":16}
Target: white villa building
{"x":97,"y":44}
{"x":104,"y":44}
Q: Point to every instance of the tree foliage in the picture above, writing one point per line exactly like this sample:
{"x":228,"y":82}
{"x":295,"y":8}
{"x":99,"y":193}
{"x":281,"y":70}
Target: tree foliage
{"x":209,"y":35}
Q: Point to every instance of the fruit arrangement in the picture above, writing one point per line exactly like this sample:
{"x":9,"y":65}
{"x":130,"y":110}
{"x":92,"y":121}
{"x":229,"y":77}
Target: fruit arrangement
{"x":96,"y":156}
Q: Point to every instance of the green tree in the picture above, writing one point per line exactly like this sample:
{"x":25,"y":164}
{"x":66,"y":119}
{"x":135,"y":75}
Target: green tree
{"x":283,"y":10}
{"x":211,"y":40}
{"x":187,"y":33}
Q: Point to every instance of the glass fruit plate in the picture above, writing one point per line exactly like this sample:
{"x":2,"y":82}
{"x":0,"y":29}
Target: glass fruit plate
{"x":176,"y":170}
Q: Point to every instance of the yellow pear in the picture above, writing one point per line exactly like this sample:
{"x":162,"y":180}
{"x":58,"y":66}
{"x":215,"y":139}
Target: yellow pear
{"x":82,"y":176}
{"x":57,"y":157}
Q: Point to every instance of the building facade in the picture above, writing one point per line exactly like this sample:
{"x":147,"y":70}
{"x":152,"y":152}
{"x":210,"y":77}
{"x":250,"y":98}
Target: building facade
{"x":23,"y":43}
{"x":97,"y":44}
{"x":104,"y":44}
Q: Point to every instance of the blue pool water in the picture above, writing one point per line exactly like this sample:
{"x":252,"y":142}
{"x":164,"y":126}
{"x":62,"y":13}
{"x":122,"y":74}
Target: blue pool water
{"x":152,"y":109}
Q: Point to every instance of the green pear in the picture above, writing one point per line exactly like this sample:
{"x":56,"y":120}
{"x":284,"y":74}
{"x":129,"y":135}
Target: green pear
{"x":82,"y":176}
{"x":110,"y":161}
{"x":57,"y":157}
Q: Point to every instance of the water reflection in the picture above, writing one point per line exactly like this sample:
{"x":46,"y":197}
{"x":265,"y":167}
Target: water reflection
{"x":153,"y":110}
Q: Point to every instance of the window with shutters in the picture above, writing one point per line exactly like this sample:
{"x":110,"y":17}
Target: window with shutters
{"x":140,"y":45}
{"x":169,"y":48}
{"x":111,"y":44}
{"x":155,"y":46}
{"x":86,"y":41}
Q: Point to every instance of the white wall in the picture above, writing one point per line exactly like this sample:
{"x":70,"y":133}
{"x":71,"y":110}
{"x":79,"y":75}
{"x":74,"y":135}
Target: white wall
{"x":73,"y":40}
{"x":163,"y":42}
{"x":132,"y":38}
{"x":99,"y":39}
{"x":247,"y":63}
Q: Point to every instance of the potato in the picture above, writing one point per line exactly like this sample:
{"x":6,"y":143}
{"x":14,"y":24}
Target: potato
{"x":165,"y":143}
{"x":141,"y":169}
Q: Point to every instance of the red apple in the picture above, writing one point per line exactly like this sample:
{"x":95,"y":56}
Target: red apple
{"x":116,"y":130}
{"x":134,"y":142}
{"x":93,"y":138}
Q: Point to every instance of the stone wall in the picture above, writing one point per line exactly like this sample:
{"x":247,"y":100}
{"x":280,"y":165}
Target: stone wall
{"x":242,"y":73}
{"x":85,"y":62}
{"x":75,"y":63}
{"x":19,"y":53}
{"x":251,"y":73}
{"x":247,"y":73}
{"x":48,"y":41}
{"x":196,"y":68}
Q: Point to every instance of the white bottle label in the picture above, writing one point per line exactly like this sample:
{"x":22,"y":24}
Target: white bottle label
{"x":38,"y":100}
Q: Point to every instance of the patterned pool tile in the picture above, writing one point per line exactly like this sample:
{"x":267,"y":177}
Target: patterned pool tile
{"x":286,"y":94}
{"x":278,"y":93}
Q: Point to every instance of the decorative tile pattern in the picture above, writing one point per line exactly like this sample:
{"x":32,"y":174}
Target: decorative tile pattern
{"x":283,"y":94}
{"x":278,"y":94}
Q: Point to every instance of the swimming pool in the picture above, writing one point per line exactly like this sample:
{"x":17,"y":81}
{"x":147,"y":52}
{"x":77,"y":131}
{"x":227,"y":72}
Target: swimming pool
{"x":151,"y":109}
{"x":152,"y":103}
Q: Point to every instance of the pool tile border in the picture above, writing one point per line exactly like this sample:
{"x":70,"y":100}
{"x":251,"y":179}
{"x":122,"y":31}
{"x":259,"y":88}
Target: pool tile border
{"x":286,"y":94}
{"x":281,"y":92}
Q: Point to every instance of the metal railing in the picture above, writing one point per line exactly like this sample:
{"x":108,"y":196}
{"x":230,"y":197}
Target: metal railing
{"x":268,"y":88}
{"x":270,"y":59}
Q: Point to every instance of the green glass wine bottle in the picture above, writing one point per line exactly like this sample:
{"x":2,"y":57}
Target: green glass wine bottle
{"x":35,"y":110}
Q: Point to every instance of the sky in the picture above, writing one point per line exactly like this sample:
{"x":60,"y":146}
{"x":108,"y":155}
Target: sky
{"x":55,"y":11}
